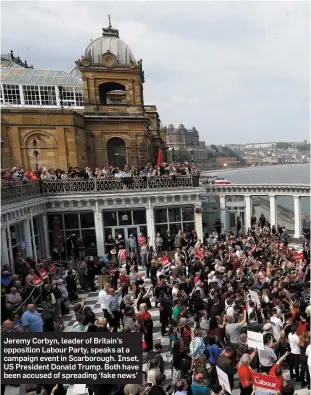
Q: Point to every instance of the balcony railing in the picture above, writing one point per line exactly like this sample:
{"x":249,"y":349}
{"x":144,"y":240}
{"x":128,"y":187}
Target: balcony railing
{"x":99,"y":185}
{"x":17,"y":191}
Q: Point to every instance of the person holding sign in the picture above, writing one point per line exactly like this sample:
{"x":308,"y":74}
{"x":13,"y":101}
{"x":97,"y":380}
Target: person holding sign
{"x":267,"y":356}
{"x":245,"y":373}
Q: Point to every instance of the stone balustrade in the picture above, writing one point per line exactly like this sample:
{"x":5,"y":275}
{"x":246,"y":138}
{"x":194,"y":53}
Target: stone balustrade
{"x":16,"y":191}
{"x":258,"y":189}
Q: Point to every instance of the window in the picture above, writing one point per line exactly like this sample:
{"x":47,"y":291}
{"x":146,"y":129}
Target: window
{"x":31,"y":95}
{"x":68,"y":97}
{"x":110,"y":218}
{"x":11,"y":94}
{"x":174,"y":214}
{"x":139,"y":217}
{"x":71,"y":221}
{"x":125,"y":217}
{"x":48,"y":95}
{"x":187,"y":213}
{"x":174,"y":219}
{"x":161,"y":215}
{"x":87,"y":220}
{"x":79,"y":97}
{"x":232,"y":222}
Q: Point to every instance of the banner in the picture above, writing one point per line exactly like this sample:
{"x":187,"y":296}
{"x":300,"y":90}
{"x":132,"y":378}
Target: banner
{"x":165,"y":261}
{"x":254,"y":296}
{"x":223,"y":379}
{"x":255,"y":340}
{"x":43,"y":274}
{"x":298,"y":256}
{"x":36,"y":281}
{"x":265,"y":385}
{"x":52,"y":268}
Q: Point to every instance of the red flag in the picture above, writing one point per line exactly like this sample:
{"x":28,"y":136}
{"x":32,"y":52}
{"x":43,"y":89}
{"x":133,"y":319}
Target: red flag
{"x":160,"y":157}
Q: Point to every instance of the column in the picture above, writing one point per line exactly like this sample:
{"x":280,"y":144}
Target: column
{"x":273,"y":210}
{"x":248,"y":212}
{"x":27,"y":237}
{"x":99,"y":159}
{"x":32,"y":233}
{"x":12,"y":266}
{"x":47,"y":250}
{"x":150,"y":225}
{"x":99,"y":230}
{"x":4,"y":248}
{"x":198,"y":221}
{"x":223,"y":213}
{"x":297,"y":212}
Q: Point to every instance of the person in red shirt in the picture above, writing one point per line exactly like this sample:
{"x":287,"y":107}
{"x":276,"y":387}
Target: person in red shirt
{"x":276,"y":371}
{"x":245,"y":374}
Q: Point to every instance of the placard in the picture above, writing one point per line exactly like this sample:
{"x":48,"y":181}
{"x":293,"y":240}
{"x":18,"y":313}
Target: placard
{"x":23,"y":245}
{"x":43,"y":274}
{"x":223,"y":379}
{"x":165,"y":261}
{"x":36,"y":281}
{"x":255,"y":340}
{"x":265,"y":385}
{"x":254,"y":296}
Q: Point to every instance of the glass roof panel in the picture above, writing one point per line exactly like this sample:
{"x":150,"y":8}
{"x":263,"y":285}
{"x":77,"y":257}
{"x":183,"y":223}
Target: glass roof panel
{"x":18,"y":75}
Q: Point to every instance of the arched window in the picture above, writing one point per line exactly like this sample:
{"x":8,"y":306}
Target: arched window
{"x":111,"y":93}
{"x":116,"y":152}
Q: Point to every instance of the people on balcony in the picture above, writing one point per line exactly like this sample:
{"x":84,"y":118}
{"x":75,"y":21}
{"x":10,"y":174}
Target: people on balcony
{"x":17,"y":174}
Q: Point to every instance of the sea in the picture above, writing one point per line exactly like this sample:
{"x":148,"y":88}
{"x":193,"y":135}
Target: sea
{"x":279,"y":174}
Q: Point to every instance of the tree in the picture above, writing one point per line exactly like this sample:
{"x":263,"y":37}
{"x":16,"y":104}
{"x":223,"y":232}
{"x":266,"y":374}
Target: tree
{"x":182,"y":155}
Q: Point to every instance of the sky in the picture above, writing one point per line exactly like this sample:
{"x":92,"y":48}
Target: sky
{"x":237,"y":71}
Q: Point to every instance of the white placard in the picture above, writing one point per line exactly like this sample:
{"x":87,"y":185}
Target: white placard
{"x":254,"y":297}
{"x":255,"y":340}
{"x":223,"y":379}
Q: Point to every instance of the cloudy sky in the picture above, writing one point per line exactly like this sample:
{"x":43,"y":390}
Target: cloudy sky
{"x":238,"y":71}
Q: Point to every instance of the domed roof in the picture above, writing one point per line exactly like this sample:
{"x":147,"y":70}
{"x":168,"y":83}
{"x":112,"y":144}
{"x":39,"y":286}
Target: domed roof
{"x":111,"y":42}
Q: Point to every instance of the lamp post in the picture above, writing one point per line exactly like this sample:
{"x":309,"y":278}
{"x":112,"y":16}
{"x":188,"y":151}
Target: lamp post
{"x":173,"y":154}
{"x":35,"y":153}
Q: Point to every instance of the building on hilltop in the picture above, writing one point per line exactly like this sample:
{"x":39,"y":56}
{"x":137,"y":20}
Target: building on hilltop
{"x":94,"y":115}
{"x":186,"y":141}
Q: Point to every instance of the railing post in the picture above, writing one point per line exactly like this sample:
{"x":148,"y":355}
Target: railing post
{"x":95,"y":184}
{"x":297,"y":215}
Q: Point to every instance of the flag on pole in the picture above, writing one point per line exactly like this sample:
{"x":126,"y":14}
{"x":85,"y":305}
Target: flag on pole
{"x":160,"y":157}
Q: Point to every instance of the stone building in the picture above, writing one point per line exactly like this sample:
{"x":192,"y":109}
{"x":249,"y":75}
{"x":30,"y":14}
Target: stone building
{"x":186,"y":141}
{"x":94,"y":115}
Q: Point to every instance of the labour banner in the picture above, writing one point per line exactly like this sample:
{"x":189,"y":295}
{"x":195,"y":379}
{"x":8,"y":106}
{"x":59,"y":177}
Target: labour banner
{"x":223,"y":379}
{"x":255,"y":340}
{"x":264,"y":384}
{"x":43,"y":274}
{"x":36,"y":281}
{"x":165,"y":261}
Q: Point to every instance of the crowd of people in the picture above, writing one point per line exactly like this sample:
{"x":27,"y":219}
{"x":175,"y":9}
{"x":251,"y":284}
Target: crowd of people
{"x":18,"y":174}
{"x":202,"y":292}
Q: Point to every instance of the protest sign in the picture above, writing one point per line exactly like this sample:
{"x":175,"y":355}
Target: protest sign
{"x":36,"y":281}
{"x":165,"y":261}
{"x":255,"y":340}
{"x":254,"y":296}
{"x":265,"y":385}
{"x":223,"y":379}
{"x":43,"y":274}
